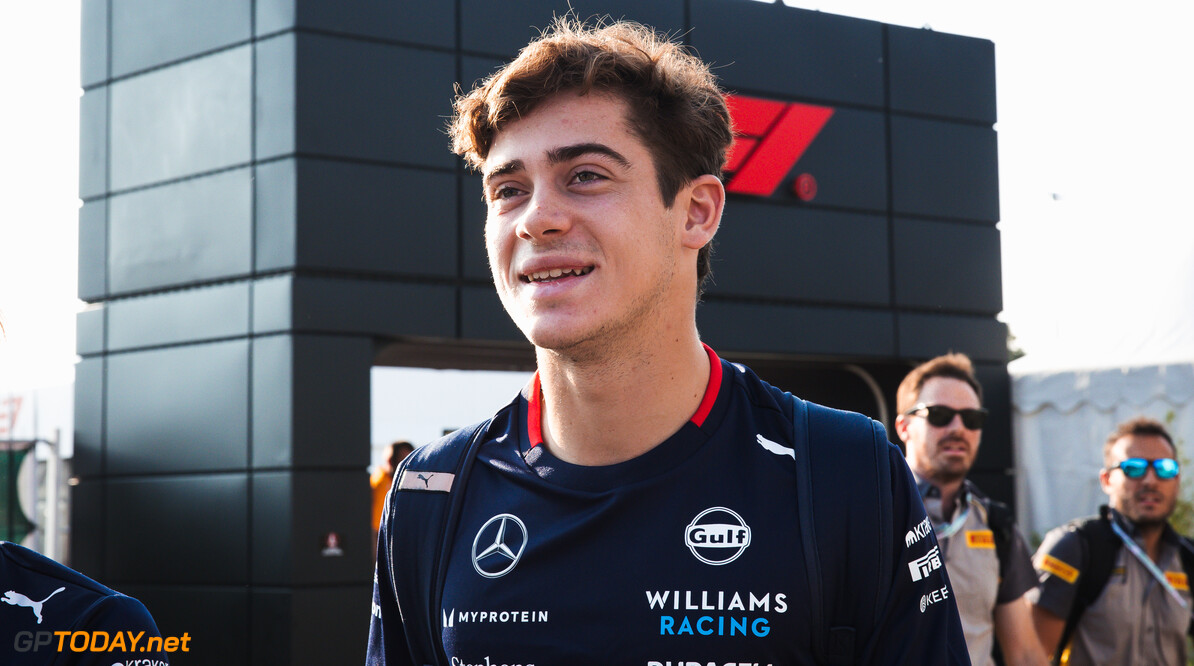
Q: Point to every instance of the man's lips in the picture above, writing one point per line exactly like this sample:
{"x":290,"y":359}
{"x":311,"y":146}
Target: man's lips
{"x":954,"y":446}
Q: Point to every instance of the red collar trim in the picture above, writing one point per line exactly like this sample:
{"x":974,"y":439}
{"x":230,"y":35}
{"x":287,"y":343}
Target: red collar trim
{"x":535,"y":402}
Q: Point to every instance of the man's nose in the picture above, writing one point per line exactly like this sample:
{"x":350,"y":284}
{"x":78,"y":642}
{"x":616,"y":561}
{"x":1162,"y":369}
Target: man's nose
{"x":544,"y":216}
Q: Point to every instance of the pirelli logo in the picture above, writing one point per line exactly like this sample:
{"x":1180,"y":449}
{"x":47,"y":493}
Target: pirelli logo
{"x":1058,"y":568}
{"x":1178,"y":580}
{"x":984,"y":539}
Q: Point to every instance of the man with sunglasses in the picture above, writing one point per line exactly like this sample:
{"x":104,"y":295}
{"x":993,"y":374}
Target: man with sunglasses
{"x":1114,"y":588}
{"x":940,"y":422}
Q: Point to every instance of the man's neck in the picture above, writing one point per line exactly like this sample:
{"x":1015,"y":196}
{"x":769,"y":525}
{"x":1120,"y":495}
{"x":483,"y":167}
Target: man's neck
{"x":602,"y":411}
{"x":1149,"y":536}
{"x":949,"y":493}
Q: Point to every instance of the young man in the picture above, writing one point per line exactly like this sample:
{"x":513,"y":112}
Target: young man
{"x":637,"y":503}
{"x":940,"y":422}
{"x":1124,"y":569}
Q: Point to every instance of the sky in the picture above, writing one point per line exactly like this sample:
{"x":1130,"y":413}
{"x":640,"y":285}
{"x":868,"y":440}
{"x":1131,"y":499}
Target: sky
{"x":1095,"y":173}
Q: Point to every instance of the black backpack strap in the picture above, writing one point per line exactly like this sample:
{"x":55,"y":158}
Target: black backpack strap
{"x":1100,"y":547}
{"x":423,"y":507}
{"x":845,"y":519}
{"x":1186,"y":551}
{"x":1003,"y":525}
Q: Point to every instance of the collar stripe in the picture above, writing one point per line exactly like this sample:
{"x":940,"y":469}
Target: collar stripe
{"x":535,"y":401}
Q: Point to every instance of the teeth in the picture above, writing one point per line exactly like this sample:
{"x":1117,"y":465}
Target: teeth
{"x":553,"y":273}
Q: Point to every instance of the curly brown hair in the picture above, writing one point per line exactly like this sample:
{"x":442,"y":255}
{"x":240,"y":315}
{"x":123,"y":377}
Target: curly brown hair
{"x":675,"y":105}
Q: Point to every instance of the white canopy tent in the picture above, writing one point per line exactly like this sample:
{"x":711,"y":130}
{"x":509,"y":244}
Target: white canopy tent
{"x":1061,"y":420}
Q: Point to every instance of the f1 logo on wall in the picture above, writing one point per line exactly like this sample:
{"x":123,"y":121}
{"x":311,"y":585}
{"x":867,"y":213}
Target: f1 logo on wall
{"x":770,"y":137}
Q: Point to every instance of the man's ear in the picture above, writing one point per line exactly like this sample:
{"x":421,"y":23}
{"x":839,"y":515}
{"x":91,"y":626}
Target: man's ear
{"x":901,"y":428}
{"x":1105,"y":480}
{"x":703,"y":199}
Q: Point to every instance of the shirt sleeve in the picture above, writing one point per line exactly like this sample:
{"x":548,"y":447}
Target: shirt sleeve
{"x":131,"y":635}
{"x":919,"y":623}
{"x":387,"y":635}
{"x":1016,"y":575}
{"x":1058,"y":564}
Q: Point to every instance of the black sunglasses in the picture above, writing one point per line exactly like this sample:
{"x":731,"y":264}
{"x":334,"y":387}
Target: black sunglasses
{"x":1135,"y":468}
{"x":941,"y":416}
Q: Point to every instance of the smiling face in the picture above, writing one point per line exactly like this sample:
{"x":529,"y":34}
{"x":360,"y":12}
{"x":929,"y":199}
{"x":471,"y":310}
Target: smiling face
{"x":941,"y":454}
{"x":582,"y":248}
{"x":1148,"y":500}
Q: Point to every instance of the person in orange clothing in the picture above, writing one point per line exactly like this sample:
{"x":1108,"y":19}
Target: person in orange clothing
{"x":381,"y":480}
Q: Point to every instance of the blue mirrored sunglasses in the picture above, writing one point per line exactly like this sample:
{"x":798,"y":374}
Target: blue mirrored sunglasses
{"x":1134,"y":468}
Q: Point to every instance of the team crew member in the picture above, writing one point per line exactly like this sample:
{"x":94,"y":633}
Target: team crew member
{"x":54,"y":615}
{"x":1114,"y":587}
{"x":940,"y":422}
{"x":636,"y":503}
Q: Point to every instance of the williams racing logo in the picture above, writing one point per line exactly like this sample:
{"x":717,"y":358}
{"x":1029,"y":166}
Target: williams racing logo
{"x":717,"y":536}
{"x":925,"y":564}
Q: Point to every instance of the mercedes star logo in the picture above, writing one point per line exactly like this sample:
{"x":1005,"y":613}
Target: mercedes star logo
{"x":501,"y":541}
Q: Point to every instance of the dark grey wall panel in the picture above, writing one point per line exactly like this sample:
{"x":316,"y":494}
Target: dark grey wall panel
{"x":273,"y":401}
{"x":93,"y":250}
{"x":275,"y":216}
{"x":809,"y":255}
{"x":356,"y":217}
{"x":93,"y":42}
{"x":217,"y":618}
{"x":90,"y":327}
{"x":211,"y":97}
{"x":274,"y":97}
{"x":386,"y":103}
{"x":475,"y":69}
{"x":273,"y":304}
{"x":93,"y":143}
{"x":995,"y":452}
{"x":948,"y":265}
{"x":944,"y":169}
{"x":293,"y":512}
{"x":772,"y":48}
{"x":482,"y":316}
{"x":311,"y":401}
{"x":939,"y":74}
{"x":189,"y":530}
{"x":785,"y":329}
{"x":428,"y":23}
{"x":297,"y":621}
{"x":191,"y":315}
{"x":473,"y":212}
{"x":179,"y":409}
{"x":502,"y":28}
{"x":190,"y":231}
{"x":367,"y":307}
{"x":88,"y":528}
{"x":149,"y":33}
{"x":89,"y":418}
{"x":927,"y":335}
{"x":849,"y":162}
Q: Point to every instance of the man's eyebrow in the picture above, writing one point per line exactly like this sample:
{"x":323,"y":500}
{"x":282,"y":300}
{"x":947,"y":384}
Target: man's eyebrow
{"x":509,"y":167}
{"x":566,"y":153}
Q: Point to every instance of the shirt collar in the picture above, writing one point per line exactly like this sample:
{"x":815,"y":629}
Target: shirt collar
{"x":1167,"y":534}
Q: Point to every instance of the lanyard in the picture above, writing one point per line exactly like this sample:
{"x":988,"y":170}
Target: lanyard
{"x":946,"y":530}
{"x":1135,"y":549}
